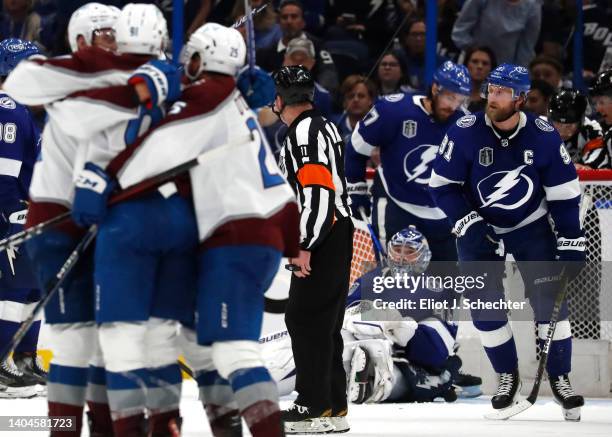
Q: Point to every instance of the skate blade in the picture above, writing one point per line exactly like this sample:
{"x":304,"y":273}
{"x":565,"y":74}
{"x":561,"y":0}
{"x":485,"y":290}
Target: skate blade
{"x":518,"y":407}
{"x":572,"y":414}
{"x":340,"y":424}
{"x":18,"y":393}
{"x":311,"y":426}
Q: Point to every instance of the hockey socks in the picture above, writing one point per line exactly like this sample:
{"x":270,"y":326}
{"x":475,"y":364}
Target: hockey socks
{"x":257,"y":398}
{"x":66,"y":394}
{"x":98,"y":416}
{"x":498,"y":342}
{"x":221,"y":408}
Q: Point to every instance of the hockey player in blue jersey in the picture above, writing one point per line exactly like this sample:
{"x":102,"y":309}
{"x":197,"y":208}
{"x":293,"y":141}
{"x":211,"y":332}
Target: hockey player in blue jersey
{"x":408,"y":129}
{"x":499,"y":176}
{"x":19,"y":148}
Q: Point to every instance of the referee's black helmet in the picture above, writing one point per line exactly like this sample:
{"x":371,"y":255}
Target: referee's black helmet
{"x":294,"y":84}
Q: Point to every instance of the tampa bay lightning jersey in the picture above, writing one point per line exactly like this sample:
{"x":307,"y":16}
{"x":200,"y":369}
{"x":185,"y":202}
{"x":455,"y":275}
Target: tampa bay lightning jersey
{"x":510,"y":181}
{"x":19,"y":148}
{"x":408,"y":137}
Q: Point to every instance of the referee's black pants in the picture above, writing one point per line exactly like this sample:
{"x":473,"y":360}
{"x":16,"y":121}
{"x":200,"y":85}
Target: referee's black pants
{"x":314,"y":316}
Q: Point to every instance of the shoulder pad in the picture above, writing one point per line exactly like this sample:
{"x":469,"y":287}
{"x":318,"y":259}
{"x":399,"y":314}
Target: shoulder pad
{"x":7,"y":103}
{"x":543,"y":125}
{"x":466,"y":121}
{"x":393,"y":98}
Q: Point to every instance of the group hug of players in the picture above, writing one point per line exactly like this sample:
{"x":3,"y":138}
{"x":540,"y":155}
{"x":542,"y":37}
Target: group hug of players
{"x":182,"y":267}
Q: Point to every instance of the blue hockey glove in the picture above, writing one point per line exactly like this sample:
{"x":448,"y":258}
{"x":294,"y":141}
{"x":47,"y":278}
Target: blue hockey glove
{"x":93,"y":188}
{"x":13,"y":217}
{"x":147,"y":118}
{"x":572,"y":252}
{"x":360,"y":198}
{"x":163,"y":80}
{"x":257,"y":87}
{"x":477,"y":235}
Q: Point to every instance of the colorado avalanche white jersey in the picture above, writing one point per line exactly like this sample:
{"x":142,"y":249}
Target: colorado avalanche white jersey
{"x":236,"y":179}
{"x":53,"y":83}
{"x":511,"y":181}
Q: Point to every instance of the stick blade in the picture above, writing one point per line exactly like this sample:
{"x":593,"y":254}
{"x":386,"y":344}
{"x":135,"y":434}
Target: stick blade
{"x":507,"y":413}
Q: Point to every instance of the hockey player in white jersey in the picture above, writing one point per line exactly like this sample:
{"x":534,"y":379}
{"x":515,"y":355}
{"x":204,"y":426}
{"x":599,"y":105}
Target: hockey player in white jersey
{"x":244,"y":217}
{"x":77,"y":361}
{"x":499,"y":176}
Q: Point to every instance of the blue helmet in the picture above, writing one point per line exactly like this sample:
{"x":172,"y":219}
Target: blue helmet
{"x":13,"y":51}
{"x":408,"y":252}
{"x":454,"y":78}
{"x":511,"y":76}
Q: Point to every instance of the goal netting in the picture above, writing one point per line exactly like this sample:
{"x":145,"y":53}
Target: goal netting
{"x":589,"y":295}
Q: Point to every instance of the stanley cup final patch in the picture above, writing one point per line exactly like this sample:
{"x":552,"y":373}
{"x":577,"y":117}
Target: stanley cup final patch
{"x":409,"y":129}
{"x":485,"y":156}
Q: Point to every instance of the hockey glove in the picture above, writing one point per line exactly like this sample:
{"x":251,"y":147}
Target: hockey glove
{"x":93,"y":188}
{"x":360,"y":198}
{"x":163,"y":81}
{"x":572,"y":252}
{"x":472,"y":232}
{"x":147,"y":118}
{"x":257,"y":87}
{"x":12,"y":218}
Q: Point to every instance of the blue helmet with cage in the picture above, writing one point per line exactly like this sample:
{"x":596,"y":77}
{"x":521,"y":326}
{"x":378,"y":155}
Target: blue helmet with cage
{"x":454,"y":78}
{"x":511,"y":76}
{"x":13,"y":51}
{"x":408,"y":252}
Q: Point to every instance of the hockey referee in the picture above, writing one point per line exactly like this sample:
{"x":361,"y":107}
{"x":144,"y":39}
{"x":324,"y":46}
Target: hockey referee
{"x":312,"y":160}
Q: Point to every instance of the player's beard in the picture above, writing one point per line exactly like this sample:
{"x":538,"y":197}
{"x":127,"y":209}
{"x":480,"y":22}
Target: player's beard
{"x":440,"y":114}
{"x":500,"y":114}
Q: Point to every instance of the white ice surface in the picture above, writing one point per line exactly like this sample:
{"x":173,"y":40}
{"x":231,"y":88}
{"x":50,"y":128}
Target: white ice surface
{"x":462,"y":418}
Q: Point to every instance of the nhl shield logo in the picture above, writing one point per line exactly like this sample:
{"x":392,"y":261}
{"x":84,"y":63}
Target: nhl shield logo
{"x":485,"y":156}
{"x":410,"y":128}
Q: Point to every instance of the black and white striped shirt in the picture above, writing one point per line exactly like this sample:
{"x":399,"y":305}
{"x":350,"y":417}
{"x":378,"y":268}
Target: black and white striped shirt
{"x":312,"y":160}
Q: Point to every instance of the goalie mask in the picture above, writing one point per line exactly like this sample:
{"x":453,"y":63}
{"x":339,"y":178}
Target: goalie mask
{"x":408,"y":252}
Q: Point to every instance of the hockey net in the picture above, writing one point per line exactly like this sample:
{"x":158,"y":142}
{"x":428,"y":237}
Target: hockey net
{"x":589,"y":295}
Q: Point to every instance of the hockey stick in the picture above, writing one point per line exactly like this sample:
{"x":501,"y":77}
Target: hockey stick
{"x":506,"y":413}
{"x":254,"y":12}
{"x":379,"y":251}
{"x":55,"y":284}
{"x":126,"y":194}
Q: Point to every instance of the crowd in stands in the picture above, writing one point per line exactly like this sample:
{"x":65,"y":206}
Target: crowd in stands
{"x":360,"y":50}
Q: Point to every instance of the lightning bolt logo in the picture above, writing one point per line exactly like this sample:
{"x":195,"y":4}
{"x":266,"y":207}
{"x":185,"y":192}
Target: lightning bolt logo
{"x":374,"y":5}
{"x":504,"y":188}
{"x":422,"y":168}
{"x":11,"y":253}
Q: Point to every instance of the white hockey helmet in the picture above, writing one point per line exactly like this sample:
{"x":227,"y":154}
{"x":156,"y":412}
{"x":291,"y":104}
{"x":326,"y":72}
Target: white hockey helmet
{"x":221,"y":49}
{"x":89,"y":18}
{"x":141,"y":29}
